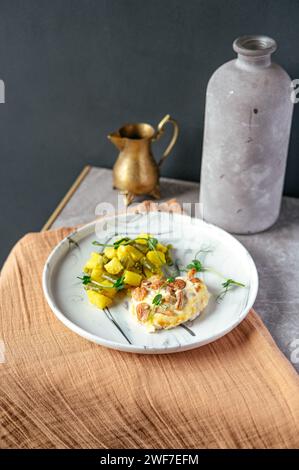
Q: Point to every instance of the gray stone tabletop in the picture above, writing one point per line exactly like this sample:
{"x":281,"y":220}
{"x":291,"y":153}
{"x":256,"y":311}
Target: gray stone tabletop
{"x":275,"y":251}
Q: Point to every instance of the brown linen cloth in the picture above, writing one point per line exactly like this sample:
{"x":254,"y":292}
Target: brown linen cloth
{"x":58,"y":390}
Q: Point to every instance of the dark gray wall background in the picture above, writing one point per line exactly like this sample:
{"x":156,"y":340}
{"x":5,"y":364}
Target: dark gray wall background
{"x":75,"y":70}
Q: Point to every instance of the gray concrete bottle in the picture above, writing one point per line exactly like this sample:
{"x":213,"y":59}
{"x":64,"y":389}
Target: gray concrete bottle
{"x":247,"y":127}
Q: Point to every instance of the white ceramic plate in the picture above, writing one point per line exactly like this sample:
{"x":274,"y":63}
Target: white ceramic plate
{"x":115,"y":328}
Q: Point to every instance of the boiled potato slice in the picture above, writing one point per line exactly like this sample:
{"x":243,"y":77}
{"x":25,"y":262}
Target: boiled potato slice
{"x":110,"y":252}
{"x":141,"y":236}
{"x":135,"y":254}
{"x":96,"y":273}
{"x":96,"y":259}
{"x":161,"y":247}
{"x":124,"y":256}
{"x":111,"y":292}
{"x":128,"y":255}
{"x":114,"y":266}
{"x":131,"y":278}
{"x":122,"y":252}
{"x":99,"y":300}
{"x":156,"y":257}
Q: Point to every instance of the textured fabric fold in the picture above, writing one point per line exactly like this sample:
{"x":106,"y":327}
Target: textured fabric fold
{"x":57,"y":390}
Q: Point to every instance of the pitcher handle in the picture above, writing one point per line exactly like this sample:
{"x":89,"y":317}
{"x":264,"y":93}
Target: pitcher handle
{"x":160,"y":132}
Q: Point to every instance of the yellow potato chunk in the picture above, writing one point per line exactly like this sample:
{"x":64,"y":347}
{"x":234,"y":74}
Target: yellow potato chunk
{"x":96,"y":273}
{"x":135,"y":254}
{"x":96,"y":259}
{"x":141,"y":236}
{"x":156,"y":257}
{"x":110,"y":252}
{"x":99,"y":300}
{"x":128,"y":255}
{"x":111,"y":292}
{"x":161,"y":247}
{"x":131,"y":278}
{"x":122,"y":252}
{"x":114,"y":266}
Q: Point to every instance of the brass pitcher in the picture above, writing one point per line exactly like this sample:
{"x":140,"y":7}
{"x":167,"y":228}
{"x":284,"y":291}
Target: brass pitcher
{"x":136,"y":172}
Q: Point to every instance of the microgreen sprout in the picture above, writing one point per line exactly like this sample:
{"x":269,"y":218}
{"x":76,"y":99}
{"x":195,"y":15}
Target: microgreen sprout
{"x":152,"y":243}
{"x":228,"y":285}
{"x":122,"y":241}
{"x":197,"y":265}
{"x":119,"y":283}
{"x":85,"y":279}
{"x":157,"y":300}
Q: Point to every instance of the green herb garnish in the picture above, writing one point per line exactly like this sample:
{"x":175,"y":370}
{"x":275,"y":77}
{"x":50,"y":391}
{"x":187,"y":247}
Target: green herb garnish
{"x":170,"y":279}
{"x":230,"y":282}
{"x":228,"y":285}
{"x":157,"y":300}
{"x":119,"y":283}
{"x":85,"y":279}
{"x":101,"y":244}
{"x":152,"y":243}
{"x":122,"y":241}
{"x":197,"y":265}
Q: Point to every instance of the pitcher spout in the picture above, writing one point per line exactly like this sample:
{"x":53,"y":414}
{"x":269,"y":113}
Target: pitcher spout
{"x":117,"y":140}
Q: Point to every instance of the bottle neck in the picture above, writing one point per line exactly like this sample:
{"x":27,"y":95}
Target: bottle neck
{"x":254,"y":51}
{"x":249,"y":61}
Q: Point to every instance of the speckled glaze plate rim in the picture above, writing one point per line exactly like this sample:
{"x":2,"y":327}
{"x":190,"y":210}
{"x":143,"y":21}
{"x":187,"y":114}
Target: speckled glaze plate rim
{"x":84,"y":231}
